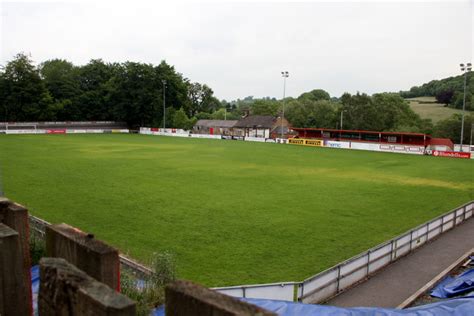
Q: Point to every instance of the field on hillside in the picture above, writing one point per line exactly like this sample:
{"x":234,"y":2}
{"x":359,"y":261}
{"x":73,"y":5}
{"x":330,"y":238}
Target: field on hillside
{"x":427,"y":108}
{"x":232,"y":212}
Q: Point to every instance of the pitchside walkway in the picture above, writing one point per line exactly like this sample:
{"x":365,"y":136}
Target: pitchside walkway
{"x":394,"y":284}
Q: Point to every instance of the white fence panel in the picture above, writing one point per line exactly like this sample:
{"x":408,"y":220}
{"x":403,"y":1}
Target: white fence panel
{"x":24,"y":131}
{"x":419,"y":236}
{"x":434,"y":228}
{"x":284,"y":292}
{"x":353,"y":271}
{"x":365,"y":146}
{"x":448,"y":221}
{"x":94,"y":131}
{"x":469,"y":211}
{"x":337,"y":144}
{"x":382,"y":257}
{"x":315,"y":283}
{"x":206,"y":136}
{"x":321,"y":294}
{"x":402,"y":245}
{"x":255,"y":139}
{"x":235,"y":292}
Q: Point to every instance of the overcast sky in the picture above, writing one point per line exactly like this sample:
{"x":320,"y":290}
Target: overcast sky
{"x":240,"y":48}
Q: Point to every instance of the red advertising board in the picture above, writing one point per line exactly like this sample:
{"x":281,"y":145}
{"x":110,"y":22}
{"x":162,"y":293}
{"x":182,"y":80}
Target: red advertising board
{"x":154,"y":129}
{"x":453,"y":154}
{"x":56,"y":131}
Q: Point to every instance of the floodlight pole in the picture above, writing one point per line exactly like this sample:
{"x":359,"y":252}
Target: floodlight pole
{"x":464,"y":69}
{"x":470,"y":140}
{"x":284,"y":74}
{"x":164,"y":103}
{"x":342,"y":115}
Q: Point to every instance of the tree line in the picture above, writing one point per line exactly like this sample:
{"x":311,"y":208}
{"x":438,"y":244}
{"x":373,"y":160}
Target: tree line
{"x":389,"y":112}
{"x":448,"y":91}
{"x":57,"y":90}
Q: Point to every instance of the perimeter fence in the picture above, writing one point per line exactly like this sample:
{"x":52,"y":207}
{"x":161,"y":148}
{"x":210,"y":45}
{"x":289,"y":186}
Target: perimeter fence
{"x":328,"y":283}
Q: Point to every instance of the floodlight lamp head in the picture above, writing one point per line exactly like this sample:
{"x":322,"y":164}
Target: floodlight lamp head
{"x":462,"y":65}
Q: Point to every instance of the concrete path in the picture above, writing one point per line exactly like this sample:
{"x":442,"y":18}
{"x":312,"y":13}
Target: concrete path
{"x":394,"y":284}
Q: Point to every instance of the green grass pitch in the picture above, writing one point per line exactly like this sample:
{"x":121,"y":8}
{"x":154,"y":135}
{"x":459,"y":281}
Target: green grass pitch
{"x":232,"y":212}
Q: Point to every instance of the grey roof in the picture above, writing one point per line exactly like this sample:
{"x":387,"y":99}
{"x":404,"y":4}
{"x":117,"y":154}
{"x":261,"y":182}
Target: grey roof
{"x":216,"y":123}
{"x":260,"y":121}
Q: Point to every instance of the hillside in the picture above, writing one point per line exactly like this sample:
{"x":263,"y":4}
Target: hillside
{"x":428,"y":108}
{"x":451,"y":89}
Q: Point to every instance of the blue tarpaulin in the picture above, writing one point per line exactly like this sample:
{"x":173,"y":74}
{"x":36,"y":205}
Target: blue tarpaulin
{"x":453,"y":286}
{"x":35,"y":282}
{"x":453,"y":307}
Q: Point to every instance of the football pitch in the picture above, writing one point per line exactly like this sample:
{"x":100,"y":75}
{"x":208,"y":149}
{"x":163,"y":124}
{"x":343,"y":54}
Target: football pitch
{"x":231,"y":212}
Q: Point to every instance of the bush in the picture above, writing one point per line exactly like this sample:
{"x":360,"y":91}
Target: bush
{"x":151,"y":293}
{"x":37,"y":249}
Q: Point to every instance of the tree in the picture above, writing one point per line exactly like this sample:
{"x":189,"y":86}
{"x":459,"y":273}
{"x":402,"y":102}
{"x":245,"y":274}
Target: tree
{"x":201,"y":99}
{"x":134,"y":93}
{"x":265,"y":107}
{"x":221,"y":114}
{"x":60,"y":78}
{"x":445,"y":97}
{"x":24,"y":96}
{"x":315,"y":95}
{"x":180,"y":120}
{"x":308,"y":113}
{"x":359,"y":112}
{"x":393,"y":112}
{"x":451,"y":128}
{"x":93,"y":100}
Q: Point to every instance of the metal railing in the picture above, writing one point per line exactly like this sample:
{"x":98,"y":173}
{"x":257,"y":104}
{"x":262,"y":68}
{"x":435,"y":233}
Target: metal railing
{"x":328,"y":283}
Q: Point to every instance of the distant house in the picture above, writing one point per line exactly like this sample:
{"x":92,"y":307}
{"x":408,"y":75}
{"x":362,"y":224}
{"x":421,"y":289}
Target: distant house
{"x":259,"y":126}
{"x":214,"y":127}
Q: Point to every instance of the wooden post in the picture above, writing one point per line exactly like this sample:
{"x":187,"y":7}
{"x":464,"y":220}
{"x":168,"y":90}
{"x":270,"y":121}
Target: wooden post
{"x":15,"y":294}
{"x":184,"y":298}
{"x":93,"y":256}
{"x":66,"y":290}
{"x":15,"y":216}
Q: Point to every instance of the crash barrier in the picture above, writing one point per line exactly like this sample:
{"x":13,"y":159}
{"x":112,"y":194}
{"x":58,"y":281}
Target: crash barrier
{"x":332,"y":281}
